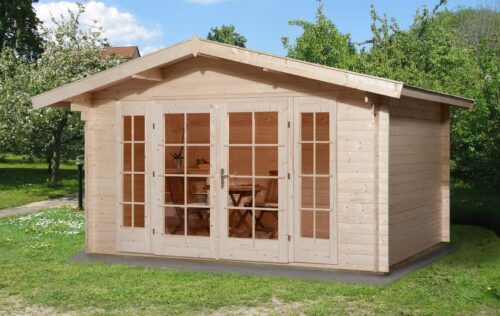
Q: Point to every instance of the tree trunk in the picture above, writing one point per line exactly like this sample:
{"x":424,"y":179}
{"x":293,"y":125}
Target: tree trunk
{"x":56,"y":154}
{"x":49,"y":165}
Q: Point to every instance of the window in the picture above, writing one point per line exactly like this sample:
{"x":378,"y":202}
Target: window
{"x":133,"y":171}
{"x":187,"y":174}
{"x":315,"y":175}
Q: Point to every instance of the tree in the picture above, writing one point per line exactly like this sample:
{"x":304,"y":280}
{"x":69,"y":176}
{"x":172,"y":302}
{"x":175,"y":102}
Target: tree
{"x":51,"y":134}
{"x":18,"y":28}
{"x":451,"y":52}
{"x":321,"y":42}
{"x":226,"y":34}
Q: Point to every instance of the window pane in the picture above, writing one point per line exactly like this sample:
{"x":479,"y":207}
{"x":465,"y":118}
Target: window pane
{"x":307,"y":192}
{"x":306,"y":127}
{"x":323,"y":192}
{"x":127,"y":215}
{"x":174,"y":128}
{"x":240,"y":128}
{"x":307,"y":159}
{"x":322,"y":158}
{"x":174,"y":220}
{"x":240,"y":161}
{"x":322,"y":225}
{"x":240,"y":192}
{"x":266,"y":127}
{"x":138,"y":215}
{"x":139,"y":128}
{"x":198,"y":222}
{"x":266,"y":224}
{"x":139,"y":157}
{"x":199,"y":190}
{"x":267,"y":192}
{"x":127,"y":188}
{"x":172,"y":164}
{"x":175,"y":190}
{"x":198,"y":125}
{"x":138,"y":188}
{"x":266,"y":160}
{"x":306,"y":224}
{"x":322,"y":126}
{"x":198,"y":160}
{"x":127,"y":157}
{"x":127,"y":128}
{"x":240,"y":223}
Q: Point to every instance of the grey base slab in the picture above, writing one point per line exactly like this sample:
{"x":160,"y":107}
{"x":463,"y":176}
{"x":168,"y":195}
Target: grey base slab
{"x":257,"y":269}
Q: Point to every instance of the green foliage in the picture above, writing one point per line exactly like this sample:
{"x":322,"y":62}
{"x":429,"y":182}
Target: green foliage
{"x":321,"y":42}
{"x":36,"y":269}
{"x":226,"y":34}
{"x":451,"y":52}
{"x":50,"y":134}
{"x":18,"y":28}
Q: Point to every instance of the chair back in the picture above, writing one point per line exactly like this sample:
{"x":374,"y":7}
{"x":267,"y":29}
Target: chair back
{"x":176,"y":188}
{"x":272,"y":188}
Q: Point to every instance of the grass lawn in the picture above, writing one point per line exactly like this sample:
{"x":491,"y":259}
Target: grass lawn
{"x":24,"y":182}
{"x":36,"y":275}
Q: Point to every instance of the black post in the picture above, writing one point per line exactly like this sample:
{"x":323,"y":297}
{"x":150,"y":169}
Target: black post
{"x":79,"y":164}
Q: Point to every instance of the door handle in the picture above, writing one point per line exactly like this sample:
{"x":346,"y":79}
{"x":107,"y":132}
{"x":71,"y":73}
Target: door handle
{"x":222,"y":178}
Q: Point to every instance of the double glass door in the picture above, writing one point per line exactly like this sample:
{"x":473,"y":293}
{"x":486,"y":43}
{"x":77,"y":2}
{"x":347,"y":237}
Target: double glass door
{"x":216,"y":180}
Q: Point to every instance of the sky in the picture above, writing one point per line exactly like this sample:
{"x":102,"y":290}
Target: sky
{"x":154,"y":24}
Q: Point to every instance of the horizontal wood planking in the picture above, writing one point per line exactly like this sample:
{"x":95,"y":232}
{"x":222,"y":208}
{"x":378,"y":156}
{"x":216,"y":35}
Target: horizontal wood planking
{"x":355,"y":183}
{"x":100,"y":153}
{"x":415,"y":172}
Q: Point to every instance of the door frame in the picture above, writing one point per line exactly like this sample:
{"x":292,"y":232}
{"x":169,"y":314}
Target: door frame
{"x":182,"y":245}
{"x":252,"y":249}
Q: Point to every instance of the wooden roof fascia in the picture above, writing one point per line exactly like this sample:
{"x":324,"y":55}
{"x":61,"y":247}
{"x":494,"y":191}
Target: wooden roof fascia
{"x":429,"y":95}
{"x":147,"y":68}
{"x":339,"y":77}
{"x":114,"y":75}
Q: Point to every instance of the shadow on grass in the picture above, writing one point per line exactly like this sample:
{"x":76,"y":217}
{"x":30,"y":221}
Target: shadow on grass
{"x":475,"y":206}
{"x":10,"y":177}
{"x":26,"y":183}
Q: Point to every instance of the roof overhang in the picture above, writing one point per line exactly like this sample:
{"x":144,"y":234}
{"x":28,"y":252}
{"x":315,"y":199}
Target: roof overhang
{"x":144,"y":67}
{"x":429,"y":95}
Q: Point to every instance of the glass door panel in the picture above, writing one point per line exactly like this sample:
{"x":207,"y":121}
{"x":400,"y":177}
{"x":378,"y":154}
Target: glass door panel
{"x":187,"y":159}
{"x":133,"y":224}
{"x":314,"y":186}
{"x":253,"y":171}
{"x":185,"y":185}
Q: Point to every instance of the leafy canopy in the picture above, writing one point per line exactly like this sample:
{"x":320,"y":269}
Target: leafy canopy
{"x":454,"y":52}
{"x":18,"y":28}
{"x":321,"y":42}
{"x":68,"y":54}
{"x":226,"y":34}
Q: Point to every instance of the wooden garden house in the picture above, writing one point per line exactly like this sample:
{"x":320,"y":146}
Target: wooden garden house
{"x":205,"y":150}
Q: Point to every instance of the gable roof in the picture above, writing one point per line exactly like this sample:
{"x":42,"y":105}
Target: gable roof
{"x":129,"y":52}
{"x":196,"y":46}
